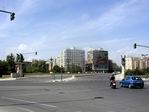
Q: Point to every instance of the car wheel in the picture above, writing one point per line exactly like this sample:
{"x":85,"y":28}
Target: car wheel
{"x":141,"y":87}
{"x":129,"y":86}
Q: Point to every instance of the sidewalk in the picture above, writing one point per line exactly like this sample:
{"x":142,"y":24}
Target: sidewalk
{"x":7,"y":79}
{"x":64,"y":79}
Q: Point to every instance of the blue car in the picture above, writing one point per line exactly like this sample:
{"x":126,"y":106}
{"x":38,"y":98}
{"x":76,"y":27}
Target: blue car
{"x":132,"y":81}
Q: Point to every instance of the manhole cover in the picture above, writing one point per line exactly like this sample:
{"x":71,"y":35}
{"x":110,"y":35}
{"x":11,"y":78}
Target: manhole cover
{"x":61,"y":92}
{"x":98,"y":97}
{"x":47,"y":89}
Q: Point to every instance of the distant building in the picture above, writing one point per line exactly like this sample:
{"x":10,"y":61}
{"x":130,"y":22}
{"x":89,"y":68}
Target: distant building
{"x":132,"y":63}
{"x":110,"y":66}
{"x":98,"y":60}
{"x":70,"y":57}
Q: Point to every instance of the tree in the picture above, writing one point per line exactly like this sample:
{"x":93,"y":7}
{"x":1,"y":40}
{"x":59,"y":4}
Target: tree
{"x":42,"y":66}
{"x":34,"y":66}
{"x":3,"y":68}
{"x":56,"y":69}
{"x":75,"y":69}
{"x":62,"y":69}
{"x":39,"y":66}
{"x":116,"y":67}
{"x":11,"y":62}
{"x":135,"y":72}
{"x":88,"y":67}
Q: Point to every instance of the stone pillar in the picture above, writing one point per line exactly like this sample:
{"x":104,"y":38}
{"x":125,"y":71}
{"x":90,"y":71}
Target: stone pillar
{"x":123,"y":61}
{"x":123,"y":72}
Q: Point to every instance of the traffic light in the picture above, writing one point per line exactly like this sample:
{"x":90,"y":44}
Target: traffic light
{"x":135,"y":46}
{"x":35,"y":53}
{"x":12,"y":16}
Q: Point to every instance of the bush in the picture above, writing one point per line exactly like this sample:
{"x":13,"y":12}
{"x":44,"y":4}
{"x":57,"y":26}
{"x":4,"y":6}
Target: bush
{"x":135,"y":72}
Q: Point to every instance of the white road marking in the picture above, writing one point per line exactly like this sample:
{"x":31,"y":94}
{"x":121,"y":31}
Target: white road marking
{"x":25,"y":109}
{"x":26,"y":101}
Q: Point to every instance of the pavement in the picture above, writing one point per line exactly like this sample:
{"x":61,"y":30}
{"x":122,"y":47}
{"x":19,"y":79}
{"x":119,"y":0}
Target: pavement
{"x":65,"y":77}
{"x":84,"y":94}
{"x":7,"y":79}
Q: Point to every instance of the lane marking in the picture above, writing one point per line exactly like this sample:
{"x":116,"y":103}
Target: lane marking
{"x":25,"y":109}
{"x":27,"y":101}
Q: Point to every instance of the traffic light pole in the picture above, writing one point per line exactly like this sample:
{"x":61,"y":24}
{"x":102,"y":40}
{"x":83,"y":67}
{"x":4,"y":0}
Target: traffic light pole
{"x":12,"y":14}
{"x":5,"y":11}
{"x":135,"y":46}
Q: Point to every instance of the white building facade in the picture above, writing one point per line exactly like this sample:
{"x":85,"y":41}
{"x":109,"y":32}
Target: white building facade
{"x":70,"y":57}
{"x":132,"y":63}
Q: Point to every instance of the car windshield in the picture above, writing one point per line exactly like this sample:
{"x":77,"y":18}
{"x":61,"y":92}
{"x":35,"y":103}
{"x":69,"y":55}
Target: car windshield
{"x":136,"y":78}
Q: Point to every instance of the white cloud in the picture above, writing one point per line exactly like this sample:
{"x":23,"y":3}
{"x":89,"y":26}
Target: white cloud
{"x":22,"y":47}
{"x":118,"y":15}
{"x":32,"y":46}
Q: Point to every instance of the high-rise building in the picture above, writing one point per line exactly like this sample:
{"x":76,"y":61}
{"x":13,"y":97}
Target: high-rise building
{"x":70,"y":57}
{"x":98,"y":59}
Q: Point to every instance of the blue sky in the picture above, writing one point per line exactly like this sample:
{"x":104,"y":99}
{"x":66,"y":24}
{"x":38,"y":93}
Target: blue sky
{"x":49,"y":26}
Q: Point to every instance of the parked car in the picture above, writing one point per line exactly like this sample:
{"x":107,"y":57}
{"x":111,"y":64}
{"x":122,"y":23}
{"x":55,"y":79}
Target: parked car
{"x":132,"y":81}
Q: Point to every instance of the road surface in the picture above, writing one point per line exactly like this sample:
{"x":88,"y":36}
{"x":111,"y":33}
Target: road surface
{"x":83,"y":94}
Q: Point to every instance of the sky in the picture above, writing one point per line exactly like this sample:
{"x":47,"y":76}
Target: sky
{"x":49,"y":26}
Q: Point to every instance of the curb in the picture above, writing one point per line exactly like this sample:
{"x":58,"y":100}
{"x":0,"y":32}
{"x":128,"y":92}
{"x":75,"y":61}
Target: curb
{"x":7,"y":79}
{"x":64,"y":80}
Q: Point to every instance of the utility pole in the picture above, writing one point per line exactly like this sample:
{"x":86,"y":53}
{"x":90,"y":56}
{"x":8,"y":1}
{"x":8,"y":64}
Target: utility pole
{"x":12,"y":14}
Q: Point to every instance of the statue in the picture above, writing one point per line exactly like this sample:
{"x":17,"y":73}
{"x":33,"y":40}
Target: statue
{"x":123,"y":62}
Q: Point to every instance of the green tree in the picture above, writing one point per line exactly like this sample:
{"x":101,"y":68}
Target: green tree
{"x":39,"y":66}
{"x":62,"y":69}
{"x":88,"y":67}
{"x":3,"y":68}
{"x":42,"y":66}
{"x":135,"y":72}
{"x":11,"y":62}
{"x":75,"y":69}
{"x":34,"y":66}
{"x":116,"y":67}
{"x":56,"y":69}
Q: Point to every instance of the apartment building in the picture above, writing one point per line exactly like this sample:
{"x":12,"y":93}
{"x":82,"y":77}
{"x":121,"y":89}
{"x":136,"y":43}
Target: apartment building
{"x":71,"y":56}
{"x":132,"y":63}
{"x":98,"y":60}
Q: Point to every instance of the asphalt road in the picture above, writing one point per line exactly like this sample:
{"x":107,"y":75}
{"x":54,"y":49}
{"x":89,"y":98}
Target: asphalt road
{"x":84,"y":94}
